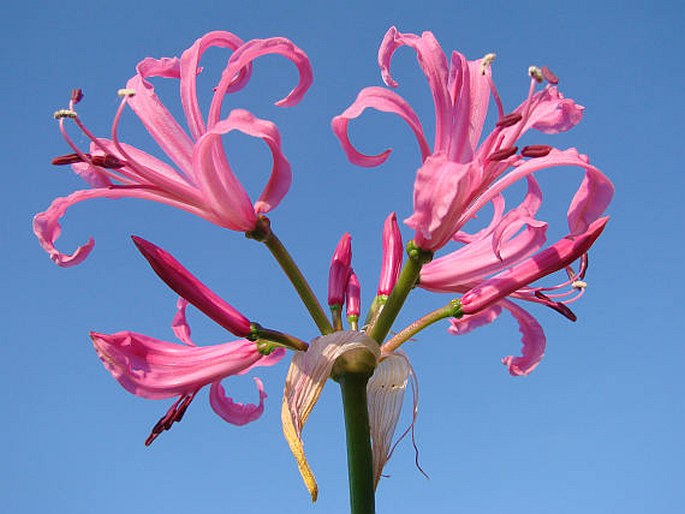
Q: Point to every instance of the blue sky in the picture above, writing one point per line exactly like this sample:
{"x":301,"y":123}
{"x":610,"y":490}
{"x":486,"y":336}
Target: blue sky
{"x":597,"y":428}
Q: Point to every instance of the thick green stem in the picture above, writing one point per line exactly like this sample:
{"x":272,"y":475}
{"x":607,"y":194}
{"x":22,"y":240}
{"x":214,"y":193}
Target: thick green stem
{"x":451,"y":310}
{"x":264,"y":234}
{"x":405,"y":283}
{"x":352,"y":371}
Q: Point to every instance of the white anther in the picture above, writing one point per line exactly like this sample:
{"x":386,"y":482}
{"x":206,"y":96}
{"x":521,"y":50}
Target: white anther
{"x":579,"y":284}
{"x":126,"y":92}
{"x":487,"y":60}
{"x":65,"y":113}
{"x":535,"y":73}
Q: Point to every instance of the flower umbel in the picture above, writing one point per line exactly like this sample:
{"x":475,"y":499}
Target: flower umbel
{"x":202,"y":181}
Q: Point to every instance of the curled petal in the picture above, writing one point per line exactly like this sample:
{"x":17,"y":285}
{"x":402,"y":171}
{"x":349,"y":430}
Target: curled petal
{"x":533,"y":339}
{"x":590,"y":201}
{"x":155,"y":369}
{"x":306,"y":377}
{"x":47,"y":228}
{"x":553,"y":113}
{"x":384,"y":101}
{"x":186,"y":285}
{"x":433,"y":63}
{"x":189,"y":68}
{"x":247,"y":53}
{"x":233,"y":412}
{"x":180,"y":324}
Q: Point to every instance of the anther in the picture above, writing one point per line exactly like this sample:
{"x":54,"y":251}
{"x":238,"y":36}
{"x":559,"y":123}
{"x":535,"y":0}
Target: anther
{"x":63,"y":160}
{"x":549,"y":75}
{"x":503,"y":153}
{"x":509,"y":120}
{"x":557,"y":306}
{"x":108,"y":161}
{"x":487,"y":60}
{"x":579,"y":284}
{"x":535,"y":73}
{"x":65,"y":113}
{"x":126,"y":92}
{"x":76,"y":95}
{"x":536,"y":150}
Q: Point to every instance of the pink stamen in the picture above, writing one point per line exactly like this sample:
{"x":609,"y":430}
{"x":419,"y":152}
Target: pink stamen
{"x":509,"y":120}
{"x":549,"y":76}
{"x":536,"y":150}
{"x":173,"y":415}
{"x":503,"y":153}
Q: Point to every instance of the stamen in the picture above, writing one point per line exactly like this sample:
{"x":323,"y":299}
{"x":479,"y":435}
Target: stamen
{"x":509,"y":120}
{"x":70,"y":158}
{"x":579,"y":284}
{"x":76,"y":96}
{"x":108,"y":161}
{"x":536,"y":150}
{"x":503,"y":153}
{"x":549,"y":75}
{"x":557,"y":306}
{"x":65,"y":113}
{"x":487,"y":60}
{"x":173,"y":415}
{"x":535,"y":73}
{"x":126,"y":92}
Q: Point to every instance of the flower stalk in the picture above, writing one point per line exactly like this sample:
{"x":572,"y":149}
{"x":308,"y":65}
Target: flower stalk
{"x":352,"y":371}
{"x":264,"y":234}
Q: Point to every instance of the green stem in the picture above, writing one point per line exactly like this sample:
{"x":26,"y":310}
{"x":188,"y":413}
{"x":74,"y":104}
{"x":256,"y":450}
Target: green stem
{"x":451,"y":310}
{"x":352,"y":371}
{"x":264,"y":234}
{"x":405,"y":283}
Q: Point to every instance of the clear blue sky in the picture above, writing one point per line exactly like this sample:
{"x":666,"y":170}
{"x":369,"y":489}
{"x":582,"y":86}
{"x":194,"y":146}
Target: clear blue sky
{"x":597,"y":428}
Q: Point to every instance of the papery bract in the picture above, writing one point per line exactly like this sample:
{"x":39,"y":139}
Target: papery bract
{"x":202,"y":181}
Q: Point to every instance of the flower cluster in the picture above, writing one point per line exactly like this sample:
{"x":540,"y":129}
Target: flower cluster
{"x":460,"y":176}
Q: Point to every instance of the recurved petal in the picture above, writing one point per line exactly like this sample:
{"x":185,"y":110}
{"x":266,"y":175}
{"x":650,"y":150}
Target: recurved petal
{"x":533,"y":339}
{"x":385,"y":101}
{"x":306,"y":377}
{"x":190,"y":67}
{"x":471,"y":322}
{"x":552,"y":113}
{"x":155,"y":369}
{"x":234,"y":412}
{"x":180,"y":324}
{"x":248,"y":52}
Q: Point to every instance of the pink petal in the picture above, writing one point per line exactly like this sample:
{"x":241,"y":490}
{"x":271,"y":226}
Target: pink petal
{"x":471,"y":322}
{"x":384,"y":101}
{"x":433,"y":62}
{"x":189,"y":68}
{"x":155,"y":369}
{"x":533,"y":340}
{"x":158,"y":121}
{"x":233,"y":412}
{"x":247,"y":53}
{"x":91,"y":174}
{"x":180,"y":324}
{"x":553,"y":113}
{"x":186,"y":285}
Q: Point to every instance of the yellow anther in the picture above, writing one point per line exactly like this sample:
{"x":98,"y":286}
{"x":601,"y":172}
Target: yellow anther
{"x":487,"y":60}
{"x":126,"y":92}
{"x":65,"y":113}
{"x":535,"y":73}
{"x":579,"y":284}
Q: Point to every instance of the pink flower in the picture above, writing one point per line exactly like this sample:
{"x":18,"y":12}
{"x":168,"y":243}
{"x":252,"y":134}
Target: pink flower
{"x":201,"y":181}
{"x":458,"y":176}
{"x":392,"y":256}
{"x":339,"y":271}
{"x":155,"y":369}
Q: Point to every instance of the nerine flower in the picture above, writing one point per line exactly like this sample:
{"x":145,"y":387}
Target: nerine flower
{"x":200,"y":180}
{"x":458,"y":176}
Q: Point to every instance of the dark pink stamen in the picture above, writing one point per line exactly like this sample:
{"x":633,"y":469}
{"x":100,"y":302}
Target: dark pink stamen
{"x":503,"y":153}
{"x":536,"y":150}
{"x":557,"y":306}
{"x":76,"y":95}
{"x":549,"y":76}
{"x":173,"y":415}
{"x":62,"y":160}
{"x":108,"y":161}
{"x":509,"y":120}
